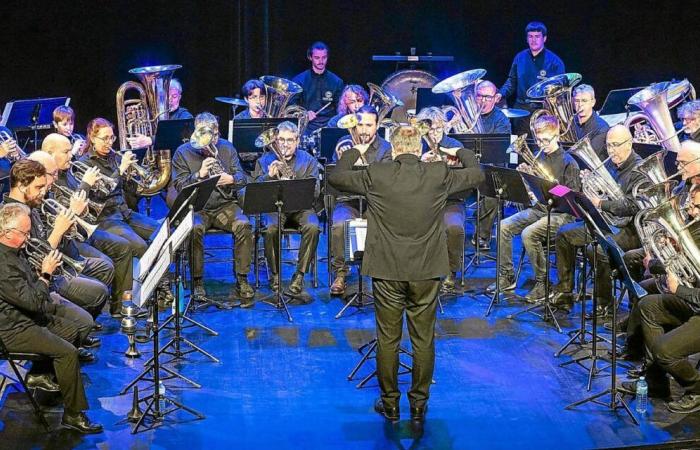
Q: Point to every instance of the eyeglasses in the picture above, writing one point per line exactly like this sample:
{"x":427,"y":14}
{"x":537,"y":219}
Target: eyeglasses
{"x":108,"y":139}
{"x":488,"y":98}
{"x":545,"y":141}
{"x":25,"y":234}
{"x":682,"y":164}
{"x":289,"y":141}
{"x":614,"y":146}
{"x":583,"y":101}
{"x":53,"y":174}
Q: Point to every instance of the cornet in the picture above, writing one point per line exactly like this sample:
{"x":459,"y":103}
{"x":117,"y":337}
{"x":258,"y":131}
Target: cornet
{"x":15,"y":152}
{"x":268,"y":138}
{"x":349,"y":122}
{"x":105,"y":185}
{"x":50,"y":208}
{"x":63,"y":194}
{"x":37,"y":250}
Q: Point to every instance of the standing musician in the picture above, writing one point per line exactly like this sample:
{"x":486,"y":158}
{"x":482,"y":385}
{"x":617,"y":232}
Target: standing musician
{"x":254,"y":93}
{"x":531,"y":223}
{"x":406,"y":254}
{"x":689,"y":115}
{"x":352,"y":99}
{"x":32,"y":321}
{"x":530,"y":66}
{"x":624,"y":170}
{"x":378,"y":150}
{"x":101,"y":242}
{"x":222,"y":210}
{"x":64,"y":124}
{"x":297,"y":165}
{"x":455,"y":213}
{"x":322,"y":87}
{"x":587,"y":123}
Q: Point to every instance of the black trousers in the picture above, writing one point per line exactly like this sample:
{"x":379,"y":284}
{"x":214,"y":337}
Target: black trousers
{"x":118,"y":250}
{"x":418,"y":299}
{"x":487,"y":216}
{"x":87,"y":292}
{"x":454,"y":217}
{"x":670,"y":350}
{"x":306,"y":222}
{"x":229,"y":218}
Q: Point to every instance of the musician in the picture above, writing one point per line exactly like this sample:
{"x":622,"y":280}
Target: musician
{"x":531,"y":223}
{"x":321,"y":87}
{"x":31,"y":321}
{"x":378,"y":150}
{"x":352,"y":99}
{"x":101,"y":242}
{"x":623,"y":168}
{"x":587,"y":123}
{"x":529,"y":67}
{"x":301,"y":165}
{"x":254,"y":93}
{"x":6,"y":147}
{"x":222,"y":210}
{"x":406,"y":254}
{"x":689,"y":115}
{"x":64,"y":124}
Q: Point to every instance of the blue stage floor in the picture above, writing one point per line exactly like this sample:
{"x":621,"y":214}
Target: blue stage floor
{"x":284,"y":385}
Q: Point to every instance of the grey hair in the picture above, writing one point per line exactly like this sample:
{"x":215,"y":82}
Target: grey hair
{"x":175,"y":84}
{"x":10,"y":213}
{"x":206,"y":119}
{"x":432,"y":113}
{"x":288,"y":126}
{"x":584,"y":89}
{"x":689,"y":109}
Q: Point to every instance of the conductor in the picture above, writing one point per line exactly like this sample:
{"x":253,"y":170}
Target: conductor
{"x":405,"y":254}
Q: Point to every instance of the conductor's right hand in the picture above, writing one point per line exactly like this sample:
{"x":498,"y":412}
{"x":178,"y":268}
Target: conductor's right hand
{"x":207,"y":164}
{"x":64,"y":221}
{"x":51,"y":262}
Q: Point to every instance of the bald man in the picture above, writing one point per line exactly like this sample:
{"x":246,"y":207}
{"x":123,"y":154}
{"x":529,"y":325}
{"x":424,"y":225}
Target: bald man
{"x":622,"y":165}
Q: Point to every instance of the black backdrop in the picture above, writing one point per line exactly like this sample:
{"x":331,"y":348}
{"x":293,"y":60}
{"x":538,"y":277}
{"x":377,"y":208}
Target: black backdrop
{"x":84,"y":49}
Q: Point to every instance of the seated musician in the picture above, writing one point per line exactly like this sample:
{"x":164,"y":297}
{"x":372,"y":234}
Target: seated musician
{"x":531,"y":223}
{"x":587,"y":122}
{"x":455,"y":212}
{"x":378,"y":150}
{"x":624,"y":162}
{"x":353,"y":98}
{"x":493,"y":121}
{"x":254,"y":93}
{"x":222,"y":211}
{"x":295,"y":165}
{"x":101,"y":242}
{"x":33,"y":321}
{"x":64,"y":124}
{"x":689,"y":115}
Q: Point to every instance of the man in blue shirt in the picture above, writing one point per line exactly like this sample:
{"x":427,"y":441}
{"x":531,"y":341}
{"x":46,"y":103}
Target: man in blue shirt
{"x":530,"y":66}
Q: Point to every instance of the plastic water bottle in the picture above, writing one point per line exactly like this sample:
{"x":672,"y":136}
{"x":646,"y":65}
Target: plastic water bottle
{"x":161,"y":388}
{"x":642,"y":395}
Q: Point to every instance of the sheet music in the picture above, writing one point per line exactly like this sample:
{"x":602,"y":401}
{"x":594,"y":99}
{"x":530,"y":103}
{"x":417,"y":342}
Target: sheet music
{"x":179,"y":235}
{"x":142,"y":291}
{"x":149,"y":257}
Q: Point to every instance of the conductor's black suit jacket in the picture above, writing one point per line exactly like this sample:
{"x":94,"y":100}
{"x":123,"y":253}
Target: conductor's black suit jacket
{"x":406,"y":238}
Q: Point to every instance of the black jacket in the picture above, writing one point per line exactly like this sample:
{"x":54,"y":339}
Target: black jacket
{"x":318,"y":91}
{"x":596,"y":129}
{"x":626,"y":176}
{"x":406,"y":238}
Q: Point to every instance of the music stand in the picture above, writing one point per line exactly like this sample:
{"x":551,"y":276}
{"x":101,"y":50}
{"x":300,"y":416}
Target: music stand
{"x":505,"y":185}
{"x":281,"y":196}
{"x":173,"y":133}
{"x":353,"y":234}
{"x":31,"y":115}
{"x":328,"y":138}
{"x":246,"y":131}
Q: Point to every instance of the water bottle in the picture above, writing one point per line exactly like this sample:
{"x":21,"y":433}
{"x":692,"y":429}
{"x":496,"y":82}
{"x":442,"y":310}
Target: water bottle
{"x":642,"y":395}
{"x":161,"y":388}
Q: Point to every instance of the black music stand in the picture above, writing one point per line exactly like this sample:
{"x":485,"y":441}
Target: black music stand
{"x":246,"y":131}
{"x":173,"y":133}
{"x":541,"y":188}
{"x":280,"y":196}
{"x":31,"y":115}
{"x":505,"y":185}
{"x":328,"y":138}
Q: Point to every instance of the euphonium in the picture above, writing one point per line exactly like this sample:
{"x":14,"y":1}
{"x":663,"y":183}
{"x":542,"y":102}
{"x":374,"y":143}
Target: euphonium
{"x":462,"y":91}
{"x":382,"y":102}
{"x":555,"y":95}
{"x":650,"y":187}
{"x":15,"y":151}
{"x":63,"y":195}
{"x":50,"y":208}
{"x":104,"y":184}
{"x":37,"y":250}
{"x":520,"y":147}
{"x":268,"y":139}
{"x":278,"y":92}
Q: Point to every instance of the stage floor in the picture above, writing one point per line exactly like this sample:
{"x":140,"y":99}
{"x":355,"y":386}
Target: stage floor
{"x":284,"y":385}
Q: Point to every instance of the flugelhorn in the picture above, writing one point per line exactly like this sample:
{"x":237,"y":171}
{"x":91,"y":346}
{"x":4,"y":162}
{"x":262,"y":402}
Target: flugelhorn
{"x":268,"y":139}
{"x":37,"y":250}
{"x":14,"y":152}
{"x":50,"y":208}
{"x":104,"y":184}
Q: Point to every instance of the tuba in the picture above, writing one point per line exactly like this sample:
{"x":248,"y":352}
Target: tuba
{"x":278,"y":92}
{"x":37,"y":250}
{"x":268,"y":139}
{"x":141,"y":115}
{"x":15,"y":152}
{"x":382,"y":101}
{"x":466,"y":112}
{"x":654,"y":188}
{"x":598,"y":182}
{"x":555,"y":95}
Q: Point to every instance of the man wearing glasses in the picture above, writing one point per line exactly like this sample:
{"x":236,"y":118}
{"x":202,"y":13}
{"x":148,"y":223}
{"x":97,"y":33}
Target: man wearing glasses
{"x":622,"y":167}
{"x":531,"y":223}
{"x":689,"y":115}
{"x":587,"y":122}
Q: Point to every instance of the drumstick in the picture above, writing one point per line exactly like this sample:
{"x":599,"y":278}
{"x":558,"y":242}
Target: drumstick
{"x":324,"y":107}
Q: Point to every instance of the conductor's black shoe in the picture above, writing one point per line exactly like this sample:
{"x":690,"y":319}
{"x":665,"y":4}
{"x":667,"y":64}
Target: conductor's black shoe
{"x":80,"y":423}
{"x":85,"y":355}
{"x":43,"y":382}
{"x":563,"y":301}
{"x":297,"y":284}
{"x":391,"y":414}
{"x":418,"y":419}
{"x":687,"y":404}
{"x":449,"y":283}
{"x":91,"y":342}
{"x":507,"y":282}
{"x":245,"y":290}
{"x":660,"y":389}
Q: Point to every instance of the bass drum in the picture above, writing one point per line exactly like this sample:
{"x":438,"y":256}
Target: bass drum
{"x":404,"y":85}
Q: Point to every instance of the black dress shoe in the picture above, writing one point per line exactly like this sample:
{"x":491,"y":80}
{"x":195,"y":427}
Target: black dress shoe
{"x":85,"y":355}
{"x":91,"y":342}
{"x":391,"y":414}
{"x":418,"y":419}
{"x":42,"y":381}
{"x":563,"y":301}
{"x":687,"y":404}
{"x":80,"y":423}
{"x":97,"y":326}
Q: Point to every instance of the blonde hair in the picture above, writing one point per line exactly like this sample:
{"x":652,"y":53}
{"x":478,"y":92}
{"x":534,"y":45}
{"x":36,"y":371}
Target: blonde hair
{"x":548,"y":123}
{"x":406,"y":139}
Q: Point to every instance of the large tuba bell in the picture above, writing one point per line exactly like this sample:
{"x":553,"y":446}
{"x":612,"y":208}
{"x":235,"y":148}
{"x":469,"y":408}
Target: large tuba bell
{"x":598,"y":182}
{"x":555,"y":95}
{"x":278,"y":92}
{"x":462,"y":91}
{"x":141,"y":116}
{"x":655,"y":183}
{"x":383,"y":102}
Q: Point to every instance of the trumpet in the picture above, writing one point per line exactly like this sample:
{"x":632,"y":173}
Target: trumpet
{"x":63,"y":194}
{"x":104,"y":184}
{"x":14,"y":152}
{"x":136,"y":173}
{"x":50,"y":208}
{"x":267,"y":139}
{"x":37,"y":250}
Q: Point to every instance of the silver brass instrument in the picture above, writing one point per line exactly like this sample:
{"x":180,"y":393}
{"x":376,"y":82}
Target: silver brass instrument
{"x":655,"y":103}
{"x":555,"y":95}
{"x":15,"y":152}
{"x":278,"y":93}
{"x":63,"y":195}
{"x":383,"y":102}
{"x":648,"y":192}
{"x":598,"y":182}
{"x":148,"y":182}
{"x":202,"y":139}
{"x":37,"y":250}
{"x":536,"y":167}
{"x":349,"y":122}
{"x":268,"y":139}
{"x":51,"y":208}
{"x":104,"y":184}
{"x":466,"y":112}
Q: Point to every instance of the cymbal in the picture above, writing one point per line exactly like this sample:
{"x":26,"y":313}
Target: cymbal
{"x":513,"y":113}
{"x":232,"y":101}
{"x":459,"y":81}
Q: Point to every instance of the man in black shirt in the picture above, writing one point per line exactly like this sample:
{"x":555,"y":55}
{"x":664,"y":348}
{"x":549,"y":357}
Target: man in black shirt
{"x":222,"y":211}
{"x":587,"y":123}
{"x":31,"y":321}
{"x":322,"y":88}
{"x":254,"y":93}
{"x":689,"y":115}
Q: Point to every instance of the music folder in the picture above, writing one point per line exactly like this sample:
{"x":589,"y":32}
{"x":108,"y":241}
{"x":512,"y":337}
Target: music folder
{"x":173,"y":133}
